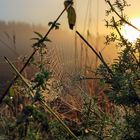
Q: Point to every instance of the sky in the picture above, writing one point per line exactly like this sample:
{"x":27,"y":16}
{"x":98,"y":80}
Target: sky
{"x":43,"y":11}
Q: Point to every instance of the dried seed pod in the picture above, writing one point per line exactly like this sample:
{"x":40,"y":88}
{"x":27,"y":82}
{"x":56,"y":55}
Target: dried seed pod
{"x":71,"y":17}
{"x":71,"y":13}
{"x":68,"y":2}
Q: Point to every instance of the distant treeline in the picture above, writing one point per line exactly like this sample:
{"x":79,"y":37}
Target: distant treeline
{"x":15,"y":41}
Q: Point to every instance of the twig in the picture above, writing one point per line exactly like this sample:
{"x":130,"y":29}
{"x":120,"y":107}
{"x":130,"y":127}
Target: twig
{"x":123,"y":19}
{"x":14,"y":79}
{"x":1,"y":98}
{"x":4,"y":43}
{"x":60,"y":121}
{"x":88,"y":113}
{"x":124,"y":41}
{"x":19,"y":75}
{"x":41,"y":100}
{"x":96,"y":53}
{"x":89,"y":78}
{"x":55,"y":22}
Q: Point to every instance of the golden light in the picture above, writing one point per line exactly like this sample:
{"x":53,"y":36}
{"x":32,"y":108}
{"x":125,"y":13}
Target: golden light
{"x":129,"y":32}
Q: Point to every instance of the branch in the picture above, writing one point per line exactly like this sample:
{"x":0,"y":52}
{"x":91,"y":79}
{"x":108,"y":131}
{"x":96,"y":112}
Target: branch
{"x":123,"y":19}
{"x":53,"y":24}
{"x":41,"y":101}
{"x":19,"y":75}
{"x":124,"y":41}
{"x":96,"y":53}
{"x":58,"y":118}
{"x":6,"y":91}
{"x":14,"y":79}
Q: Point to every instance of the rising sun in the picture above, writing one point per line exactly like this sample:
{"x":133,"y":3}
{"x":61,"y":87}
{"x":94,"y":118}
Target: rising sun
{"x":129,"y":32}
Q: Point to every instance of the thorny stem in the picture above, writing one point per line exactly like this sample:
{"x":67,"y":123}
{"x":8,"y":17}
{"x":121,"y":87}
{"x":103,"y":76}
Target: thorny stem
{"x":123,"y":19}
{"x":114,"y":23}
{"x":27,"y":62}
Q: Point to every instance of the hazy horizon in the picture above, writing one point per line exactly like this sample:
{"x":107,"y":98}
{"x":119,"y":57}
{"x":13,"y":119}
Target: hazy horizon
{"x":34,"y":15}
{"x":62,"y":41}
{"x":41,"y":12}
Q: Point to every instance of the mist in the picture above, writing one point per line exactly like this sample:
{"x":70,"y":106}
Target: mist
{"x":16,"y":43}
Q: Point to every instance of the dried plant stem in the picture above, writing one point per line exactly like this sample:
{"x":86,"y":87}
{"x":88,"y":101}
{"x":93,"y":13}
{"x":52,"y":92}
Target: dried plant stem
{"x":27,"y":62}
{"x":58,"y":118}
{"x":88,"y":113}
{"x":123,"y":40}
{"x":19,"y":75}
{"x":96,"y":53}
{"x":44,"y":104}
{"x":123,"y":19}
{"x":14,"y":79}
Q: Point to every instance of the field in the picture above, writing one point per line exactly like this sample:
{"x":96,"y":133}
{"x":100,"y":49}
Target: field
{"x":55,"y":93}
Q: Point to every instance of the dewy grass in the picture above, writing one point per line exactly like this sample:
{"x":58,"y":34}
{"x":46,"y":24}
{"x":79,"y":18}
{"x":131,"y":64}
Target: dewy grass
{"x":42,"y":102}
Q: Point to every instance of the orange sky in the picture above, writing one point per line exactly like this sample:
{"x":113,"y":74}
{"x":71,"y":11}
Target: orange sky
{"x":43,"y":11}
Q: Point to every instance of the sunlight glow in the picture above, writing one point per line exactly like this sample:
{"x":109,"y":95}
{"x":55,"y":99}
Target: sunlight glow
{"x":129,"y":32}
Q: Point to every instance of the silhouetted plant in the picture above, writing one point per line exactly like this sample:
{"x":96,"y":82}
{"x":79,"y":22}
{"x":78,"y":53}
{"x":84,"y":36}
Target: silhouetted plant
{"x":123,"y":87}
